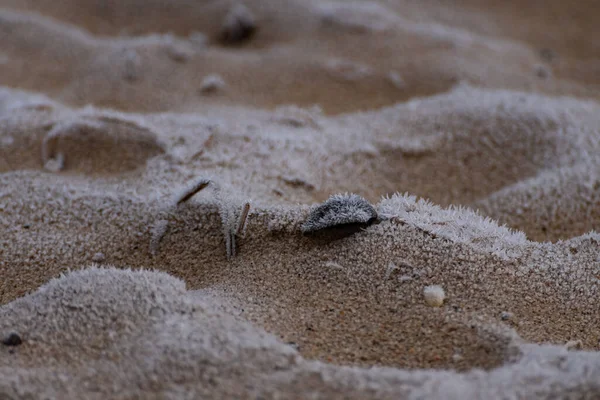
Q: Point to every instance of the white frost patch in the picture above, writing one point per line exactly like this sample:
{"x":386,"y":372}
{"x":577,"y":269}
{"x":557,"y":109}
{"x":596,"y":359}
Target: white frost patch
{"x":458,"y":224}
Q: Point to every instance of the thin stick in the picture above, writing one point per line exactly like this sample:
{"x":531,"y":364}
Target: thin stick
{"x":243,"y":218}
{"x":192,"y":190}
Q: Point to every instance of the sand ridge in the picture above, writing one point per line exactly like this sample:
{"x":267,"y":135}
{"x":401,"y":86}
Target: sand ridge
{"x":118,"y":293}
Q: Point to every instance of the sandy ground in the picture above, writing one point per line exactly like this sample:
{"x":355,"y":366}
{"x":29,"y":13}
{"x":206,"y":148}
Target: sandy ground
{"x":472,"y":127}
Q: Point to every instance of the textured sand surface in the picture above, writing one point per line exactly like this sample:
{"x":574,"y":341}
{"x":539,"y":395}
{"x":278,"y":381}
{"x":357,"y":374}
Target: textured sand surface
{"x":473,"y":128}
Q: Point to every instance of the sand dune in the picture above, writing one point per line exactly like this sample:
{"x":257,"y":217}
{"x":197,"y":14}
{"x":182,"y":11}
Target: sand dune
{"x":473,"y":131}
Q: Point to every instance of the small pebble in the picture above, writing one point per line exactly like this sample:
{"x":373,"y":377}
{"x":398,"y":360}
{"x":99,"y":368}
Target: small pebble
{"x":238,"y":26}
{"x":505,"y":316}
{"x":98,"y":258}
{"x":212,"y":83}
{"x":574,"y":345}
{"x":179,"y":53}
{"x":542,"y":72}
{"x":434,"y":295}
{"x":13,"y":339}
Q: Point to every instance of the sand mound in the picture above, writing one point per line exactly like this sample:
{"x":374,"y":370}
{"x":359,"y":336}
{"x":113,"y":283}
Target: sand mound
{"x":104,"y":145}
{"x":37,"y":135}
{"x":573,"y":210}
{"x":482,"y":115}
{"x":467,"y":144}
{"x":125,"y":334}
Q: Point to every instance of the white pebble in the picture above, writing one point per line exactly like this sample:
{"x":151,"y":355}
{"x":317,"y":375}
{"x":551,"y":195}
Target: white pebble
{"x":434,"y":295}
{"x":212,"y":83}
{"x":179,"y":53}
{"x":55,"y":164}
{"x":98,"y":258}
{"x":574,"y":345}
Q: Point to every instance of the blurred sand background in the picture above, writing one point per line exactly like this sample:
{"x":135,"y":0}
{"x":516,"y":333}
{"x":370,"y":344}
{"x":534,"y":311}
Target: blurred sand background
{"x":472,"y":126}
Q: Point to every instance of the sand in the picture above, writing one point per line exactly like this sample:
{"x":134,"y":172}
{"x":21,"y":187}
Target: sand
{"x":472,"y":128}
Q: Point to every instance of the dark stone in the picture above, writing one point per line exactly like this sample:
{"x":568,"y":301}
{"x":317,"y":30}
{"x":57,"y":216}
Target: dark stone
{"x":239,"y":26}
{"x":339,"y":216}
{"x":12,"y":339}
